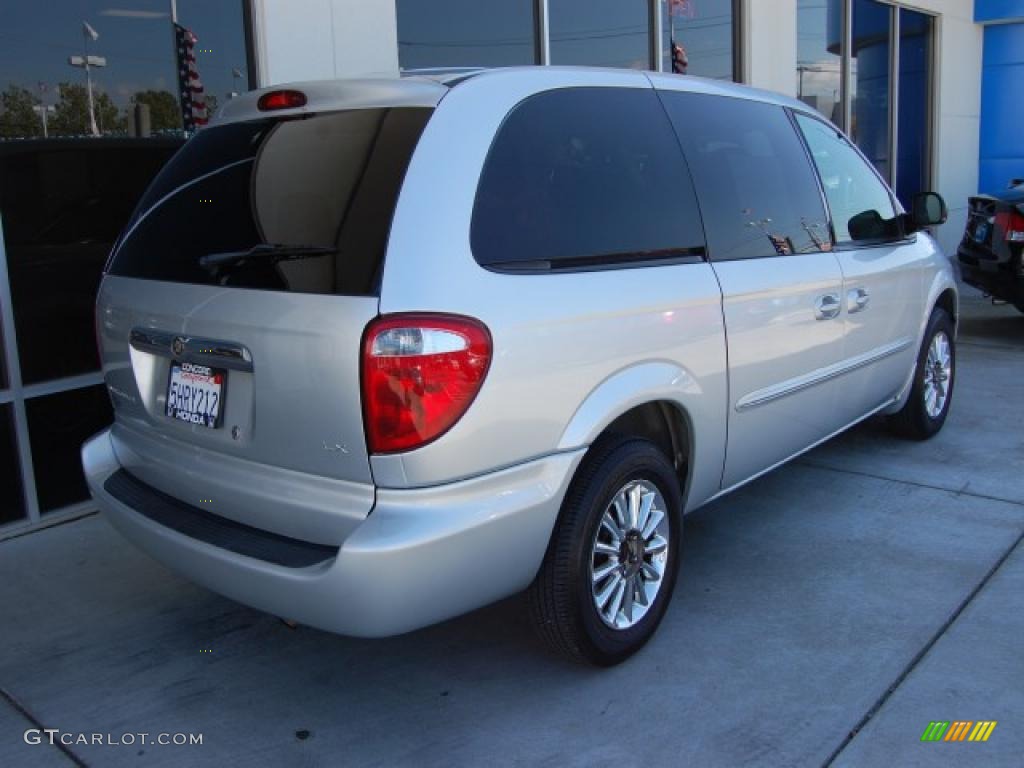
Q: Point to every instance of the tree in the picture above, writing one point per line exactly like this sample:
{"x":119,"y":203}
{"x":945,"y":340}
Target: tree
{"x":72,"y":115}
{"x":164,"y":109}
{"x":18,"y":119}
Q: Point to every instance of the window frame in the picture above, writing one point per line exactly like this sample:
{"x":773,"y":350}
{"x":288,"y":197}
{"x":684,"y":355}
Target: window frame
{"x":850,"y":245}
{"x":896,"y":7}
{"x":709,"y":255}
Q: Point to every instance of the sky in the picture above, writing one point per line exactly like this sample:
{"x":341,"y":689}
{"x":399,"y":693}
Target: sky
{"x":135,"y":36}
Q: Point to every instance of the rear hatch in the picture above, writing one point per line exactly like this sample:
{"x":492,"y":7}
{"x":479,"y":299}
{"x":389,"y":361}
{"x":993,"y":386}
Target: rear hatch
{"x":231,"y":316}
{"x":993,"y":228}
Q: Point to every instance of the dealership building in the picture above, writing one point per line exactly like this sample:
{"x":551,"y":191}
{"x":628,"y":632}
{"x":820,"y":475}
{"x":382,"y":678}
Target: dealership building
{"x":932,"y":91}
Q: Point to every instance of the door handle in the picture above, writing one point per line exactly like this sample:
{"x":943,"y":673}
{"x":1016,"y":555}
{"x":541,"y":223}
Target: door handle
{"x":857,"y":299}
{"x":826,"y":307}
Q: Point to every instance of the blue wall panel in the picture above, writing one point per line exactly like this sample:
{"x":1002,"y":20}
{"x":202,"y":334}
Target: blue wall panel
{"x":998,"y":10}
{"x":1002,"y":106}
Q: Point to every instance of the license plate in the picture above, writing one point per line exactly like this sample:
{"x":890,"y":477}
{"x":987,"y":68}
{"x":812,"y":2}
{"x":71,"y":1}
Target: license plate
{"x":195,"y":394}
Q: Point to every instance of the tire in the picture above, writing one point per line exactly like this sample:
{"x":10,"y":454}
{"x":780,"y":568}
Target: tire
{"x":563,"y":603}
{"x":921,"y":418}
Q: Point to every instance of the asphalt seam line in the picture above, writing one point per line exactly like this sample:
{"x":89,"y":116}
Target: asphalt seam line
{"x":919,"y":656}
{"x":41,"y":528}
{"x":6,"y":695}
{"x":987,"y":345}
{"x":954,"y":491}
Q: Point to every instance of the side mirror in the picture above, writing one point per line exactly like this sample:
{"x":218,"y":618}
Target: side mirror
{"x":926,"y":210}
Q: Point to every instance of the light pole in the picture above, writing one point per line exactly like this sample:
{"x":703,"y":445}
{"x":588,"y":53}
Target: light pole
{"x":87,"y":62}
{"x":42,"y":107}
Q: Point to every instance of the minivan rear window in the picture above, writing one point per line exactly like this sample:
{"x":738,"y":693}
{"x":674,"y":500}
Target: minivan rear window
{"x":287,"y":204}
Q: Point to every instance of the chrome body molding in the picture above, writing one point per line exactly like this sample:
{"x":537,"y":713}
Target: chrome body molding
{"x":191,"y":349}
{"x":791,"y":386}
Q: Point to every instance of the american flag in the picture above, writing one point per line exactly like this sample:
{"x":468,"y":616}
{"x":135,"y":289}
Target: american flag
{"x":684,"y":8}
{"x":193,"y":102}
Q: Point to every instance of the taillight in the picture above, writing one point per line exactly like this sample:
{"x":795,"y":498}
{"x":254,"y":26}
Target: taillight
{"x":1011,"y":223}
{"x":283,"y":99}
{"x":420,"y":374}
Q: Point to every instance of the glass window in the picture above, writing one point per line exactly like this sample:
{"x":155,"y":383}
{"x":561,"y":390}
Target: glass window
{"x":757,"y":190}
{"x":606,"y":33}
{"x":819,"y":31}
{"x":57,"y":426}
{"x":585,"y":175}
{"x":869,"y":75}
{"x":465,"y":33}
{"x":912,"y":171}
{"x":63,"y":204}
{"x":330,"y":182}
{"x":861,"y":206}
{"x":697,"y":38}
{"x":135,"y":61}
{"x":12,"y":502}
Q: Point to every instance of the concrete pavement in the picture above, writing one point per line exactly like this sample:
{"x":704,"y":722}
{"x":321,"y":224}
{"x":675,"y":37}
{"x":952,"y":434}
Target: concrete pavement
{"x":824,"y":614}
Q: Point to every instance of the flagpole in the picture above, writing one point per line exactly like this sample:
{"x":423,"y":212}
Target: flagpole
{"x":174,"y":47}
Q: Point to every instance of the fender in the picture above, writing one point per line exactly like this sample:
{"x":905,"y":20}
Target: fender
{"x":703,"y":406}
{"x":942,"y":280}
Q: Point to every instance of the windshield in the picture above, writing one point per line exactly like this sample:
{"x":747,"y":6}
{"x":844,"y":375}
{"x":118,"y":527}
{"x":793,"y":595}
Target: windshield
{"x":327,"y":184}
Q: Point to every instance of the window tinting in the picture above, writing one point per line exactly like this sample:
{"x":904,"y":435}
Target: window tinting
{"x":63,"y":204}
{"x":757,"y":189}
{"x":57,"y":426}
{"x":330,"y":181}
{"x":585,"y":176}
{"x":860,"y":203}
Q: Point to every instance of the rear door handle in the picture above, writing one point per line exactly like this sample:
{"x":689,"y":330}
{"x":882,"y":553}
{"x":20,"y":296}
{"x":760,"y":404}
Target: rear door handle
{"x":826,"y":307}
{"x":857,"y":299}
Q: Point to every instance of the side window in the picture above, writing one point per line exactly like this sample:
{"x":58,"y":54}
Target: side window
{"x":757,"y":189}
{"x":583,"y":177}
{"x":861,"y":206}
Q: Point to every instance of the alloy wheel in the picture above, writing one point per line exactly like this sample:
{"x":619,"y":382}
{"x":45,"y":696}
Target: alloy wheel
{"x":629,"y":554}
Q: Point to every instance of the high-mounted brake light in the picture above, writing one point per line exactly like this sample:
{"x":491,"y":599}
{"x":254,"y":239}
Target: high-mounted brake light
{"x":285,"y":99}
{"x":420,"y":374}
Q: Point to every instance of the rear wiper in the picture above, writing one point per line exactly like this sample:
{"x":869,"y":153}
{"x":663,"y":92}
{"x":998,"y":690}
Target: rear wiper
{"x":264,"y":251}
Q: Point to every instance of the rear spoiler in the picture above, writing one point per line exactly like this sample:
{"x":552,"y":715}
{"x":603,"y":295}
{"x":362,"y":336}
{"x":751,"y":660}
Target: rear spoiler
{"x":334,"y":95}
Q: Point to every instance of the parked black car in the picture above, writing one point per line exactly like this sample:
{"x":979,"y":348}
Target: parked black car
{"x":992,"y":252}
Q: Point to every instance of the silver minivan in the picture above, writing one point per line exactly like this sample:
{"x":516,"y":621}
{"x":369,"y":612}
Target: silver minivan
{"x":385,"y":351}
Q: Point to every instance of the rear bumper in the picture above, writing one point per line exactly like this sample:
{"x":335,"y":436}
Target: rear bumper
{"x":998,"y":278}
{"x":422,"y":555}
